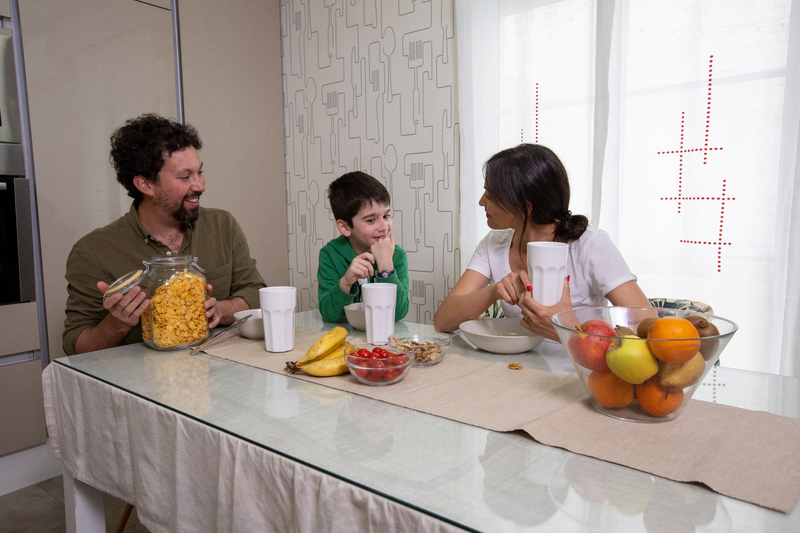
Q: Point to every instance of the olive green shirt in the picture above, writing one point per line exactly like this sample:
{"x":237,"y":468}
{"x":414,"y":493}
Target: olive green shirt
{"x":107,"y":253}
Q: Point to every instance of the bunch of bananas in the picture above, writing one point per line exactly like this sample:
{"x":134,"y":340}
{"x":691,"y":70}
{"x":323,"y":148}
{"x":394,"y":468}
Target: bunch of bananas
{"x":325,"y":357}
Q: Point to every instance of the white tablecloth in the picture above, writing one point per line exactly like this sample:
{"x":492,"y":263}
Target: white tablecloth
{"x":183,"y":475}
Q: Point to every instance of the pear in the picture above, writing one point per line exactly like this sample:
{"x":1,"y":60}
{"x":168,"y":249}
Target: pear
{"x":632,"y":360}
{"x":679,"y":376}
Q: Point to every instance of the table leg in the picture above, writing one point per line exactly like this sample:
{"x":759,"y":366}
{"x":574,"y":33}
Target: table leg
{"x":84,"y":506}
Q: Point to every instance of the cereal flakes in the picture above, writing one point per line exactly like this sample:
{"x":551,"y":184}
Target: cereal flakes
{"x":176,"y":314}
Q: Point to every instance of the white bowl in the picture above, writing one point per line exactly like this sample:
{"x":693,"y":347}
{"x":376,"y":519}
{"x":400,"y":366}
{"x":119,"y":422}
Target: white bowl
{"x":253,"y":328}
{"x":500,"y":335}
{"x":355,"y":316}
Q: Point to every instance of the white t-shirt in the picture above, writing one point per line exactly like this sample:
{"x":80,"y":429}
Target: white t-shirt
{"x":594,"y":265}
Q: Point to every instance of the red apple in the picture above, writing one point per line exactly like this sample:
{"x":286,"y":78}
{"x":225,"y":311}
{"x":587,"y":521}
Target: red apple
{"x":589,"y":351}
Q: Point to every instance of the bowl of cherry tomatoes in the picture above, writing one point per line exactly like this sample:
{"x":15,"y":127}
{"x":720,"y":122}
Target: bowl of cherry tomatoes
{"x":379,"y":365}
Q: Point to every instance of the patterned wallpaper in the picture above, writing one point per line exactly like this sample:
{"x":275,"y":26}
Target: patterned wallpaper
{"x":370,"y":85}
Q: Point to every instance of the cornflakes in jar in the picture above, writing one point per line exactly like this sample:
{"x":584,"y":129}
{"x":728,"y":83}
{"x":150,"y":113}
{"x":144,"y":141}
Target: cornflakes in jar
{"x":176,"y":315}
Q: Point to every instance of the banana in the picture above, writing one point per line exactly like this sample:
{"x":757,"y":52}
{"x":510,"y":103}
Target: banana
{"x":326,"y":367}
{"x":324,"y":346}
{"x":338,"y":352}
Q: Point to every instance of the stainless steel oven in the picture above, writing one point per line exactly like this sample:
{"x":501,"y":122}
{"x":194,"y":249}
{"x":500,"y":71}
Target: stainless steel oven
{"x":17,"y":282}
{"x":17,"y":278}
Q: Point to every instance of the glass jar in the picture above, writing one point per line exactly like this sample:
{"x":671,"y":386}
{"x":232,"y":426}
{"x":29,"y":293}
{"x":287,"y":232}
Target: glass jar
{"x":176,"y":316}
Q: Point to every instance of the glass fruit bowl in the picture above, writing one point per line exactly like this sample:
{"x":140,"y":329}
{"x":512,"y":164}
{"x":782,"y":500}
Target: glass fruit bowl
{"x":648,"y":371}
{"x":378,"y":365}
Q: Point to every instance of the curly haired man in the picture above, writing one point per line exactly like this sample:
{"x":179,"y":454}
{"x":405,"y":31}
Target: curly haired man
{"x":157,"y":160}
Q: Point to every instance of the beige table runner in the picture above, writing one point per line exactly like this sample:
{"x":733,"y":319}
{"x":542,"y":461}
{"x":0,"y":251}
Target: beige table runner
{"x":748,"y":455}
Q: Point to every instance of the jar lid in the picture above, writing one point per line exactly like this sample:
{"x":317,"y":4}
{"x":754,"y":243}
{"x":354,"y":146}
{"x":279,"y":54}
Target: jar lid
{"x":124,"y":283}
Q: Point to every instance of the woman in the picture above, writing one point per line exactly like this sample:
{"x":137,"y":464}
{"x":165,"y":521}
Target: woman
{"x":526,"y":198}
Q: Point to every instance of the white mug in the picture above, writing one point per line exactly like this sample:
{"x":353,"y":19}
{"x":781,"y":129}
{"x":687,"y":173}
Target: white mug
{"x":277,"y":310}
{"x":379,"y":301}
{"x":547,"y":268}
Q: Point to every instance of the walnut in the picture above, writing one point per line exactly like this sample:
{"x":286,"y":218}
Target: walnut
{"x":424,"y":352}
{"x":515,"y":366}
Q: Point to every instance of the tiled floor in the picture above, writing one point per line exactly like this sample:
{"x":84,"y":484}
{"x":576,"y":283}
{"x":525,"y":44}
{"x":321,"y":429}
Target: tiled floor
{"x":40,"y":509}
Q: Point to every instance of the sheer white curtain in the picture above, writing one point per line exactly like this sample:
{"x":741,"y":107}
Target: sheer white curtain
{"x":679,"y":123}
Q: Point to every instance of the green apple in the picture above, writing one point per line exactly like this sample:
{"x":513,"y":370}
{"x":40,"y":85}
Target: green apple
{"x":632,"y":360}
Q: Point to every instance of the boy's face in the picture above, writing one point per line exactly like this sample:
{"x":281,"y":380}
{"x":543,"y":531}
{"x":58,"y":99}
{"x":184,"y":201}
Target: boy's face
{"x":373,"y":222}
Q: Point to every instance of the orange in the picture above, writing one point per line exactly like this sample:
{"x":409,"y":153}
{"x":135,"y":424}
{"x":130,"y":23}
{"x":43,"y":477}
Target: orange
{"x":608,"y":390}
{"x":657,"y":400}
{"x":683,"y":343}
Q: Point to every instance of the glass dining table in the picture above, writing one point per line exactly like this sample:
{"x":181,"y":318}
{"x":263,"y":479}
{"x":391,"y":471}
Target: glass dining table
{"x":207,"y":444}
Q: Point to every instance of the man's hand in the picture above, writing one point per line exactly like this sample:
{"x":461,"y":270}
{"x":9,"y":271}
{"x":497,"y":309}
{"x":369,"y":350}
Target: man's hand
{"x":124,"y":311}
{"x":360,"y":268}
{"x":383,"y":252}
{"x":126,"y":308}
{"x":220,"y":312}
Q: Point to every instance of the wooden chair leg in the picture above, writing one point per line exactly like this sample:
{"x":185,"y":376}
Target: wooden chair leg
{"x":126,"y":513}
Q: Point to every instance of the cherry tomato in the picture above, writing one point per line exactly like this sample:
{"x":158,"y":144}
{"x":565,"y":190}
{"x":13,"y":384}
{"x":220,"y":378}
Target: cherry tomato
{"x":390,"y":374}
{"x":380,"y":352}
{"x":399,"y":360}
{"x":361,"y":372}
{"x":401,"y":371}
{"x":376,"y":374}
{"x":363,"y":352}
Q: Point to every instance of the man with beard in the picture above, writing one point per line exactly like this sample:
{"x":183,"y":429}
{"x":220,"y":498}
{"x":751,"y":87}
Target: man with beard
{"x":157,"y":161}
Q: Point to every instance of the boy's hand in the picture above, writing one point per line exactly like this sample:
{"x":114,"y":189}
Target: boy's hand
{"x":360,"y":268}
{"x":383,"y":251}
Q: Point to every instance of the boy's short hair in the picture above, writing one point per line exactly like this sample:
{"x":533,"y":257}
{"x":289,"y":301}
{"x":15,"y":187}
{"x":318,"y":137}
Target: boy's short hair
{"x":350,"y":192}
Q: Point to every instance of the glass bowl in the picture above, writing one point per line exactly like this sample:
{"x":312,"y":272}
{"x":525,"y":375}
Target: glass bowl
{"x":429,"y":348}
{"x":641,"y":379}
{"x":378,"y":365}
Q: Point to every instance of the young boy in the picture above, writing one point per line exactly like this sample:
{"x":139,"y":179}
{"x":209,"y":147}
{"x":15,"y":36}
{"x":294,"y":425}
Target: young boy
{"x":365,"y":250}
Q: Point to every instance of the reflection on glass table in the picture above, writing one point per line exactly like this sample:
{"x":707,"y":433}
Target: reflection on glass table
{"x":476,"y":479}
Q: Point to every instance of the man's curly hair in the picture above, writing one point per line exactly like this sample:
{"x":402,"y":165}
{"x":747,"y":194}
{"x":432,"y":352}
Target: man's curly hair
{"x":139,"y":146}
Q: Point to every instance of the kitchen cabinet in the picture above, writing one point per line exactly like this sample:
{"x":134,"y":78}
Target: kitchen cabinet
{"x":91,"y":65}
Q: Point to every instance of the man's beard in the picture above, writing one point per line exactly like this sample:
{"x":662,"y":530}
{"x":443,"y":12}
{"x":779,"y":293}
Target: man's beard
{"x":179,"y":213}
{"x":184,"y":216}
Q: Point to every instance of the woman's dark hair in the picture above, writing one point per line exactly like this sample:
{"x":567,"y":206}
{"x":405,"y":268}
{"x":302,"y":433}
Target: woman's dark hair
{"x":138,"y":148}
{"x":530,"y":181}
{"x":350,"y":192}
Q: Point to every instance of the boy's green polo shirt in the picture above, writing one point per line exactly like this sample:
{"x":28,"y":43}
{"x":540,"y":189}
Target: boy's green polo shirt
{"x":334,"y":260}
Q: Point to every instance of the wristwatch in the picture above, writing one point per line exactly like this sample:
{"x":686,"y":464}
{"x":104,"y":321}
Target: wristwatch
{"x":384,"y":273}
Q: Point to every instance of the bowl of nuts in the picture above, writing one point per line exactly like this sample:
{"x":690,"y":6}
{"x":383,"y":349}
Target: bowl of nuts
{"x":429,"y":348}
